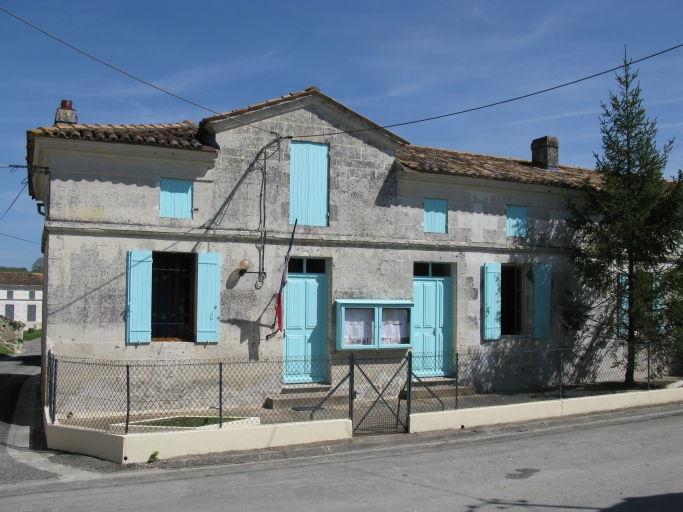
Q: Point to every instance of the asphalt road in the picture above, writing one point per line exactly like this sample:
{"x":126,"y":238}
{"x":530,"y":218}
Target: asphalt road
{"x":624,"y":463}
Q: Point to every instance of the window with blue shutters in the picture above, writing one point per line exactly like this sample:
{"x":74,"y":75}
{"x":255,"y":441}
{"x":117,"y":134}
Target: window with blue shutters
{"x":436,"y":216}
{"x":176,"y":198}
{"x":173,"y":297}
{"x":542,"y":300}
{"x":309,"y":183}
{"x":516,"y":221}
{"x":208,"y":297}
{"x":139,"y":297}
{"x":492,"y":301}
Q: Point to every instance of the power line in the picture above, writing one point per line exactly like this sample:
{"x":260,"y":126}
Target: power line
{"x":22,"y":239}
{"x":496,"y":103}
{"x":15,"y":200}
{"x":124,"y":72}
{"x":349,"y":131}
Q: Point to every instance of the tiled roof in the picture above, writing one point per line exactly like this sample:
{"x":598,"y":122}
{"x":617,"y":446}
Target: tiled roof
{"x":21,"y":279}
{"x":457,"y":163}
{"x":178,"y":135}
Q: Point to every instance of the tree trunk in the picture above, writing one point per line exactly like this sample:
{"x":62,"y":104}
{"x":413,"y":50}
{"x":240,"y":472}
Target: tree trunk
{"x":631,"y":349}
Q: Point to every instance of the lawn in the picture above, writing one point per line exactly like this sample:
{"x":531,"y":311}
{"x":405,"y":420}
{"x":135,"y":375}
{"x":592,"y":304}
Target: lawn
{"x":33,"y":335}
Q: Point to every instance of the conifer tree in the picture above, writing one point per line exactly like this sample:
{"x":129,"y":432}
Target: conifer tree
{"x":628,"y":229}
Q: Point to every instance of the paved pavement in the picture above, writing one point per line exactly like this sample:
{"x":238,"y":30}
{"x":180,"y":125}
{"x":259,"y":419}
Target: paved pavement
{"x":621,"y":462}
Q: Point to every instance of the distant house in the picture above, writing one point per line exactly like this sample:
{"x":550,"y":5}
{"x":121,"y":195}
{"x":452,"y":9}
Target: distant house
{"x":149,"y":230}
{"x":21,"y":298}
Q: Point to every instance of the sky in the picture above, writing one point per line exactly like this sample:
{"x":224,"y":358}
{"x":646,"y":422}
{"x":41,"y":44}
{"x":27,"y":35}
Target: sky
{"x":392,"y":62}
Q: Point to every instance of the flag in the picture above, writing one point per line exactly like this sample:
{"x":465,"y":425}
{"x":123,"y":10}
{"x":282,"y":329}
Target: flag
{"x":280,"y":301}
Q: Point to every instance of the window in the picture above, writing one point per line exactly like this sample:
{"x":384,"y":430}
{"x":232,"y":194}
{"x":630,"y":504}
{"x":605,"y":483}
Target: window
{"x":9,"y":311}
{"x":504,"y":298}
{"x":306,"y":266}
{"x":431,"y":269}
{"x":309,"y":184}
{"x":10,"y":294}
{"x":436,"y":216}
{"x":172,"y":297}
{"x":373,"y":324}
{"x":176,"y":198}
{"x":31,"y":313}
{"x":512,"y":300}
{"x":31,"y":295}
{"x":516,"y":221}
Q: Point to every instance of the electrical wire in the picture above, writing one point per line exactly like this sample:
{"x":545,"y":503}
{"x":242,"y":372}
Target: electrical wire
{"x":125,"y":72}
{"x":489,"y":105}
{"x":492,"y":104}
{"x":22,"y":239}
{"x":15,"y":200}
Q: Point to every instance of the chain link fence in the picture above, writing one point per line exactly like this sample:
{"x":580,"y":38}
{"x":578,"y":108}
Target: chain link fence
{"x":375,"y":392}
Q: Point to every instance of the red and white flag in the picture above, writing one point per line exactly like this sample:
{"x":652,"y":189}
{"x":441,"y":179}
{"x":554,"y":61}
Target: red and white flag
{"x":280,"y":301}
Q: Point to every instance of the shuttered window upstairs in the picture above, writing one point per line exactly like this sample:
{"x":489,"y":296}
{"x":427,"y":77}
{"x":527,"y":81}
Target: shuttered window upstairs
{"x":436,"y":216}
{"x":176,"y":198}
{"x":309,"y":183}
{"x":516,"y":221}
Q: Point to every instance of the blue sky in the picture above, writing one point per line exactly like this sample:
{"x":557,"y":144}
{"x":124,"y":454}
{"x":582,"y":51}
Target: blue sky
{"x":390,"y":61}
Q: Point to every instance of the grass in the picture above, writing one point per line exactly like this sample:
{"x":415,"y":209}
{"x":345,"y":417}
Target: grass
{"x":186,"y":421}
{"x":33,"y":335}
{"x":4,"y":351}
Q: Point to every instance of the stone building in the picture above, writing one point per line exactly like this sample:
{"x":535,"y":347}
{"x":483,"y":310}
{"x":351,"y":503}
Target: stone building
{"x":21,"y":298}
{"x":169,"y":241}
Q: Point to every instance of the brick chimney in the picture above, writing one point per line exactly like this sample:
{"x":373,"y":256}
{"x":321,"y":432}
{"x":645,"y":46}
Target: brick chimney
{"x":65,"y":114}
{"x":544,"y":152}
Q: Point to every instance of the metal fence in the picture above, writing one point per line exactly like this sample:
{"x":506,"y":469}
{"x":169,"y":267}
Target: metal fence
{"x":378,"y":393}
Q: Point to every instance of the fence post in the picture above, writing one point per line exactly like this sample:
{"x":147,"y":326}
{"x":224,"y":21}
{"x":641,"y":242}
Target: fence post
{"x":54,"y":390}
{"x":351,"y":372}
{"x":127,"y":397}
{"x":648,"y":366}
{"x":457,"y":379}
{"x":220,"y":394}
{"x":561,"y":370}
{"x":410,"y":388}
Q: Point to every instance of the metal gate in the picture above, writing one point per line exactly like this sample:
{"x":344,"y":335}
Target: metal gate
{"x":379,"y":388}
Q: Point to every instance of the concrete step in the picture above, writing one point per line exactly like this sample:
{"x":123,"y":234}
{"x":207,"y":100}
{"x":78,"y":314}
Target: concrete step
{"x":291,"y":400}
{"x":443,"y":388}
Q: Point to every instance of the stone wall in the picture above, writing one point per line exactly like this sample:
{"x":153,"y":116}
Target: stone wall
{"x":375,"y":234}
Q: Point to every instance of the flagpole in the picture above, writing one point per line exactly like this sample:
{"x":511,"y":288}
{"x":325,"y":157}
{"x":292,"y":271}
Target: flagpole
{"x":279,"y":302}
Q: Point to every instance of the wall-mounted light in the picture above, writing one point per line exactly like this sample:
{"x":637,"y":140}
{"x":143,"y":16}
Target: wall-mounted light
{"x":244,"y":266}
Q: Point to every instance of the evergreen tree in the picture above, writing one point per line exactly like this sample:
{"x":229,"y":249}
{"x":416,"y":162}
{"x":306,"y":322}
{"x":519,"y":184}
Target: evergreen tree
{"x":628,"y":227}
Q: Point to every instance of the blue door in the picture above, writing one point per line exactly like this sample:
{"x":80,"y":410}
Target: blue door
{"x":432,"y":326}
{"x":306,"y":322}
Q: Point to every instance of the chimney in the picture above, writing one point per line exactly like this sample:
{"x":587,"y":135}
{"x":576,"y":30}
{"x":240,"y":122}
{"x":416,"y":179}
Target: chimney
{"x":65,"y":114}
{"x":544,"y":152}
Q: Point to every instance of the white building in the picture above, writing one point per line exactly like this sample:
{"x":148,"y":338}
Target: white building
{"x":21,"y":298}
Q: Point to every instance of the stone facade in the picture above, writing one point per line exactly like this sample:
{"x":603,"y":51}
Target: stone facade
{"x":103,"y":200}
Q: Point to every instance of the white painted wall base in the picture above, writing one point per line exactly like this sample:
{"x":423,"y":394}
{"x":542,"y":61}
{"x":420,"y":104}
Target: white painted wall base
{"x":467,"y":418}
{"x":132,"y":448}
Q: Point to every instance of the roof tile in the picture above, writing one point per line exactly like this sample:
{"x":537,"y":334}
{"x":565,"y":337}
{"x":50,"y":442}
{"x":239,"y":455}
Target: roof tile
{"x":457,"y":163}
{"x":21,"y":279}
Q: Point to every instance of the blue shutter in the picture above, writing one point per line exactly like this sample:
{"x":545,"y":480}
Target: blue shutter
{"x":516,"y":221}
{"x":658,"y":303}
{"x":492,"y":301}
{"x":309,"y":183}
{"x":622,"y":306}
{"x":208,"y":296}
{"x":139,"y":297}
{"x":436,"y":215}
{"x":542,"y":287}
{"x":176,"y":198}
